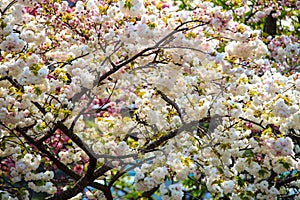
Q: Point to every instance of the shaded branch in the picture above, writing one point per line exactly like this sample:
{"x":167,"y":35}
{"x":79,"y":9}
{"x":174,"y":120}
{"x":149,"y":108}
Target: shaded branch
{"x":100,"y":171}
{"x":121,"y":173}
{"x":253,"y":122}
{"x":117,"y":67}
{"x":172,"y":103}
{"x":270,"y":24}
{"x":43,"y":149}
{"x":76,"y":140}
{"x":80,"y":184}
{"x":189,"y":127}
{"x":46,"y":136}
{"x":108,"y":99}
{"x":286,"y":180}
{"x":79,"y":114}
{"x":13,"y":82}
{"x":149,"y":193}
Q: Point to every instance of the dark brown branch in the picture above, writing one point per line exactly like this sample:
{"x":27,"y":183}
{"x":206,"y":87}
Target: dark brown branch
{"x":286,"y":181}
{"x":53,"y":97}
{"x":100,"y":171}
{"x":172,"y":103}
{"x":98,"y":186}
{"x":156,"y":46}
{"x":270,"y":24}
{"x":108,"y":99}
{"x":46,"y":136}
{"x":189,"y":127}
{"x":150,"y":192}
{"x":247,"y":18}
{"x":123,"y":171}
{"x":71,"y":192}
{"x":43,"y":149}
{"x":14,"y":135}
{"x":76,"y":140}
{"x":179,"y":29}
{"x":80,"y":184}
{"x":70,"y":62}
{"x":117,"y":67}
{"x":39,"y":107}
{"x":79,"y":114}
{"x":8,"y":7}
{"x":258,"y":124}
{"x":78,"y":95}
{"x":13,"y":82}
{"x":107,"y":194}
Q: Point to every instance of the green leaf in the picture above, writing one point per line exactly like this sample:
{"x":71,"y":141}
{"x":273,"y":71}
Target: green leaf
{"x":262,"y":172}
{"x":248,"y":153}
{"x":37,"y":91}
{"x":240,"y":181}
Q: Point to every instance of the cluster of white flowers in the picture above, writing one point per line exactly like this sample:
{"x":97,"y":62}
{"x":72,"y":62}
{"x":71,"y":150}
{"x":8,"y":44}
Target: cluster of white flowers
{"x":25,"y":167}
{"x":47,"y":175}
{"x":145,"y":183}
{"x":266,"y":191}
{"x":47,"y":187}
{"x":6,"y":196}
{"x":28,"y":163}
{"x":27,"y":77}
{"x":12,"y":43}
{"x":31,"y":37}
{"x":216,"y":76}
{"x":65,"y":157}
{"x":159,"y":174}
{"x":281,"y":109}
{"x":228,"y":186}
{"x":132,"y":8}
{"x":172,"y":192}
{"x":295,"y":121}
{"x":84,"y":77}
{"x":254,"y":49}
{"x":283,"y":147}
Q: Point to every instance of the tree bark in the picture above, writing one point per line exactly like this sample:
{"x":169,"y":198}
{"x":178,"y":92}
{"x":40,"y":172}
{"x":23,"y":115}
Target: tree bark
{"x":270,"y":24}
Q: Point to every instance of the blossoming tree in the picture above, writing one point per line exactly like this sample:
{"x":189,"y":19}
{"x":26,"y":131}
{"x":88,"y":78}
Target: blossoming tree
{"x":192,"y":96}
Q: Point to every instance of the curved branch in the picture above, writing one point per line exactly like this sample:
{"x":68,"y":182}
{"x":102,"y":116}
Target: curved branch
{"x":100,"y":171}
{"x":13,"y":82}
{"x":76,"y":140}
{"x":43,"y":149}
{"x":8,"y":7}
{"x":153,"y":48}
{"x":148,"y":194}
{"x":189,"y":127}
{"x":169,"y":101}
{"x":80,"y":184}
{"x":253,"y":122}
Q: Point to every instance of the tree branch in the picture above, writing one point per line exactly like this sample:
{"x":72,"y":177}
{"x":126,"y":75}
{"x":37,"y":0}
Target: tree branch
{"x":76,"y":140}
{"x":189,"y":127}
{"x":43,"y":149}
{"x":172,"y":103}
{"x":13,"y":82}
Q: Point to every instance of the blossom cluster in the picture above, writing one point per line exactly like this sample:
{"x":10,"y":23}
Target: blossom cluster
{"x":25,"y":168}
{"x":191,"y":99}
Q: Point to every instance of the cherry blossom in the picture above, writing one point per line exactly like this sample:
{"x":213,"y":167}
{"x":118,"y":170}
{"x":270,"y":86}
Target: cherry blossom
{"x":189,"y":97}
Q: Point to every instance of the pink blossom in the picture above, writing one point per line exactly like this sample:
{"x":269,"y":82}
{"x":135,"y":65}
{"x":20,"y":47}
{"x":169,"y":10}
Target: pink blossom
{"x":78,"y":168}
